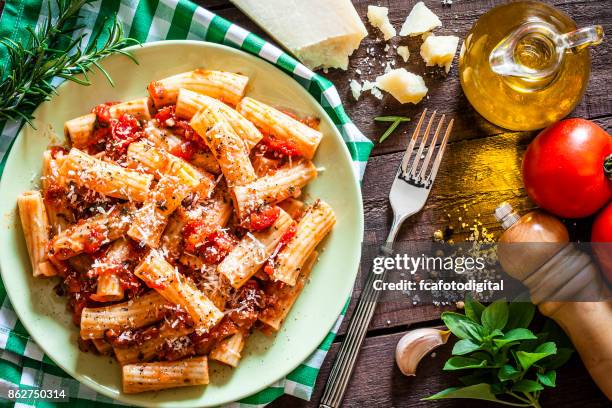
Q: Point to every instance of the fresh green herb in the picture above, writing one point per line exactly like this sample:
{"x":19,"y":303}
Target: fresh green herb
{"x":396,"y":121}
{"x":510,"y":364}
{"x":52,"y":52}
{"x":391,"y":119}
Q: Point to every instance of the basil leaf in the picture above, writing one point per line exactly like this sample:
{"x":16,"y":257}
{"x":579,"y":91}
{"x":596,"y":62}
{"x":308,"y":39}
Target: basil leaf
{"x":464,"y":346}
{"x":515,"y":335}
{"x":527,"y":386}
{"x":477,"y":391}
{"x":477,"y":378}
{"x":462,"y":327}
{"x":555,"y":361}
{"x":462,"y":363}
{"x":495,"y":316}
{"x":496,"y":333}
{"x":527,"y":359}
{"x":508,"y":372}
{"x":520,"y":314}
{"x":548,"y":378}
{"x":473,"y":308}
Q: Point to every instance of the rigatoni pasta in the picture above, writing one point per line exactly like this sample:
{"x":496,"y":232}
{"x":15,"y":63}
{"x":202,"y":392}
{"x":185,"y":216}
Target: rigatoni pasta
{"x":253,"y":251}
{"x":103,"y":177}
{"x":280,"y":125}
{"x":284,"y":183}
{"x":228,"y":148}
{"x":164,"y":374}
{"x":177,"y":225}
{"x":225,"y":86}
{"x":157,"y":273}
{"x":35,"y":226}
{"x":316,"y":223}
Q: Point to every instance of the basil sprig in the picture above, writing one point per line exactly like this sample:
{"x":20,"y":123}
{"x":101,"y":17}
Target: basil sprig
{"x":507,"y":362}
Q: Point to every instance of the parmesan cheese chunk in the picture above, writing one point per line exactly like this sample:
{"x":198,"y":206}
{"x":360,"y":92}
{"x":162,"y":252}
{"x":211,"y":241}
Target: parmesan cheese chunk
{"x":320,"y":33}
{"x":403,"y":52}
{"x":379,"y":18}
{"x":439,"y":50}
{"x":419,"y":21}
{"x":403,"y":85}
{"x":355,"y":89}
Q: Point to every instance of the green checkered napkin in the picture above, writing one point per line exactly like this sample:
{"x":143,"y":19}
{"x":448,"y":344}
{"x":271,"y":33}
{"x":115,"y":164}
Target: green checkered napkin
{"x":22,"y":362}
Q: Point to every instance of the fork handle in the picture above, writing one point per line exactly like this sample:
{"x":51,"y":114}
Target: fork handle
{"x":355,"y":334}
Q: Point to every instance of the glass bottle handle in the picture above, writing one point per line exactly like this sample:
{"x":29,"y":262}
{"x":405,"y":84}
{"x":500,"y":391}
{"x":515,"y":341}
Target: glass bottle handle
{"x":583,"y":37}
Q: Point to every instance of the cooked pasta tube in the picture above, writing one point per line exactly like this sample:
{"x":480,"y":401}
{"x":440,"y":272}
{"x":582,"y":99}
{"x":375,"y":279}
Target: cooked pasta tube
{"x":285,"y":295}
{"x":150,"y":220}
{"x":227,"y":147}
{"x":35,"y":226}
{"x":139,"y":108}
{"x":226,"y":86}
{"x":158,"y":274}
{"x":104,"y":177}
{"x":179,"y":179}
{"x":90,"y":234}
{"x":164,"y":374}
{"x":133,"y":314}
{"x":151,"y":159}
{"x":107,"y":269}
{"x":229,"y":350}
{"x":59,"y":217}
{"x":102,"y":346}
{"x":189,"y":103}
{"x":316,"y":223}
{"x":166,"y":140}
{"x":80,"y":131}
{"x":280,"y":125}
{"x":252,"y":251}
{"x":172,"y":238}
{"x":149,"y":349}
{"x":264,"y":166}
{"x":293,"y":207}
{"x":272,"y":189}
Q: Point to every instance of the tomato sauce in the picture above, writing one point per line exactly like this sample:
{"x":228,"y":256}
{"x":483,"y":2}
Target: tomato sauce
{"x":262,"y":218}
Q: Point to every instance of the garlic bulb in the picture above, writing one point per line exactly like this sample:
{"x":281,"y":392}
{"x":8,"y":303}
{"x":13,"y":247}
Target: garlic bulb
{"x":415,"y":344}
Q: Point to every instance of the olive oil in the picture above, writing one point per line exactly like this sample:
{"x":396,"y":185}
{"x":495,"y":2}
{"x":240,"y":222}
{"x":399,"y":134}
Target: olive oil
{"x":524,"y":65}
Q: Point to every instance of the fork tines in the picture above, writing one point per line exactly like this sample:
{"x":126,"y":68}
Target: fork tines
{"x":420,"y":170}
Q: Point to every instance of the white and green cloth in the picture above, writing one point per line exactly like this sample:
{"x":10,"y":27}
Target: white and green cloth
{"x":22,"y":362}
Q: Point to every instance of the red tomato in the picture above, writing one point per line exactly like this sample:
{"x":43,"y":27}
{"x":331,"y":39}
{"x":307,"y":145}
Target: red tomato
{"x":602,"y":233}
{"x":283,"y":147}
{"x":263,"y":218}
{"x":563,"y":168}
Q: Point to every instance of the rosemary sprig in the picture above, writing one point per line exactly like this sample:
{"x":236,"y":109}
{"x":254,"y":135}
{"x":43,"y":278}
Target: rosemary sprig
{"x":52,"y":52}
{"x":396,"y":121}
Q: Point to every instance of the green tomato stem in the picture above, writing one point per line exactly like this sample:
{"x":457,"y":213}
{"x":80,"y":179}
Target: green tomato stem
{"x":608,"y":166}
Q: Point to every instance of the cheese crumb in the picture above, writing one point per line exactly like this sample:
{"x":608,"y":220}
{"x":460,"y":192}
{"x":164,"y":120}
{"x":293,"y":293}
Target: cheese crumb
{"x":419,"y":21}
{"x":403,"y":52}
{"x":379,"y":18}
{"x":355,"y":89}
{"x":403,"y":85}
{"x":439,"y":50}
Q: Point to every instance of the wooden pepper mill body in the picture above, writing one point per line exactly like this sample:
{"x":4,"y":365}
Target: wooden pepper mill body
{"x":558,"y":270}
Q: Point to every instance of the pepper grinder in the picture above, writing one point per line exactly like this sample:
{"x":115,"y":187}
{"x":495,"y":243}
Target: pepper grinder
{"x":555,"y":272}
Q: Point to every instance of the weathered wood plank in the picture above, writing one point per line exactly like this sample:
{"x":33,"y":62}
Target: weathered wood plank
{"x":377,"y":382}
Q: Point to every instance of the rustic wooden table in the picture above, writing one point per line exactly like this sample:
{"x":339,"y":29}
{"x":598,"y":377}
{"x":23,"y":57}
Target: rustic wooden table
{"x":481,"y":169}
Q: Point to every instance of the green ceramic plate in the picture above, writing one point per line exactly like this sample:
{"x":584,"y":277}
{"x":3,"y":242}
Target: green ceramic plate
{"x":266,"y":359}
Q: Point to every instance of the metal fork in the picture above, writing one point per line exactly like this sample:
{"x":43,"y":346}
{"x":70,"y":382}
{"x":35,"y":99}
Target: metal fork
{"x":410,"y":189}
